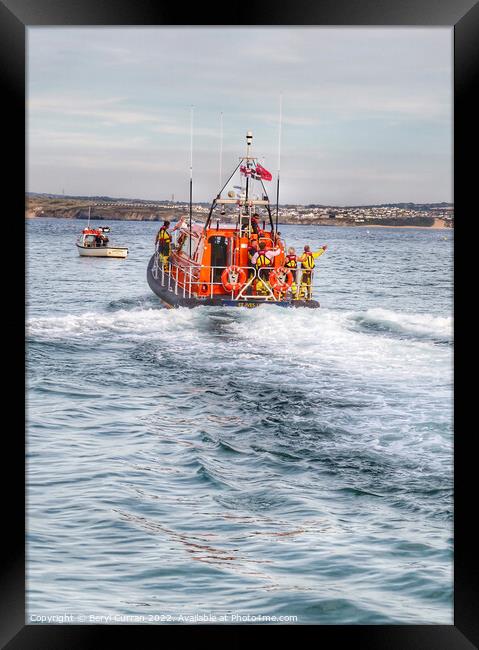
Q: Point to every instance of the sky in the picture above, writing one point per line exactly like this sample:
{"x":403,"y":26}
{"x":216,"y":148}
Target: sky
{"x":366,"y":112}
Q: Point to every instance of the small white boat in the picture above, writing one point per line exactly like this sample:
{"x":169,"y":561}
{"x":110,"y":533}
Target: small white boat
{"x":87,"y":249}
{"x":93,"y":242}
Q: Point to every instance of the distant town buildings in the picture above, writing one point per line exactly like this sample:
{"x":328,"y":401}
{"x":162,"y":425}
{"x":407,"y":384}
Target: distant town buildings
{"x":138,"y":209}
{"x":360,"y":215}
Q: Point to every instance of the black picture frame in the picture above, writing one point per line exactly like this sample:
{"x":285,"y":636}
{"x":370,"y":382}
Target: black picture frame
{"x":15,"y":17}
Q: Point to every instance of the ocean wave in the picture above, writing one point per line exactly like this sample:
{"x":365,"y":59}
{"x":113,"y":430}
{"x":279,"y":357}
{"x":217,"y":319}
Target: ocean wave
{"x":208,"y":455}
{"x":141,"y":322}
{"x":327,"y":340}
{"x":137,"y":302}
{"x":415,"y":325}
{"x":294,"y":345}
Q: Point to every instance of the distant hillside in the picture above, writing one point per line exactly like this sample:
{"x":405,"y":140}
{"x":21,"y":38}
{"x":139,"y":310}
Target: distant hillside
{"x":107,"y":209}
{"x":77,"y":208}
{"x":92,"y":200}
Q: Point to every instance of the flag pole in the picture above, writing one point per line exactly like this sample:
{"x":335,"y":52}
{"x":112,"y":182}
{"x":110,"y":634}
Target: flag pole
{"x":249,"y":140}
{"x":221,"y":149}
{"x":191,"y":171}
{"x":279,"y":158}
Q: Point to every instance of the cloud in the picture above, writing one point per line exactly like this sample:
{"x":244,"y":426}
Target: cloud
{"x":362,"y":108}
{"x":107,"y":110}
{"x":73,"y":141}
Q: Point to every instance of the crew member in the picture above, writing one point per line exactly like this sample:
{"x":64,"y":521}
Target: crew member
{"x":163,"y":243}
{"x":252,"y":250}
{"x":291,"y":263}
{"x":263,"y":259}
{"x":247,"y":231}
{"x":255,"y":224}
{"x":277,"y":238}
{"x":307,"y":266}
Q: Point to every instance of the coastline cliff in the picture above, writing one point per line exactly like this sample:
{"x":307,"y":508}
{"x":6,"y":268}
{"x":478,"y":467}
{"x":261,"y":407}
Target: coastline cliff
{"x":38,"y":206}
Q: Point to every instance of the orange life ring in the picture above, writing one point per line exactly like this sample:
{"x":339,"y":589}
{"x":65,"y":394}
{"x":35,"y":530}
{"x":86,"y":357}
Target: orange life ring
{"x":280,"y":279}
{"x":231,"y":284}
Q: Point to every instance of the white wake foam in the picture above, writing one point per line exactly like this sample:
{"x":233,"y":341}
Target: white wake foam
{"x":417,"y":324}
{"x":311,"y":338}
{"x":327,"y":337}
{"x":152,"y":323}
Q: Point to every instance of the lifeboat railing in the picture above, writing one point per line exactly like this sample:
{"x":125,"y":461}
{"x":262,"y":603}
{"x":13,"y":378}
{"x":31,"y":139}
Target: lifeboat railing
{"x":181,"y":278}
{"x":256,"y":276}
{"x":240,"y":295}
{"x":170,"y":276}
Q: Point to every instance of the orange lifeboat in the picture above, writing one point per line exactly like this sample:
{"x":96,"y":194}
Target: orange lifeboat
{"x":212,"y":263}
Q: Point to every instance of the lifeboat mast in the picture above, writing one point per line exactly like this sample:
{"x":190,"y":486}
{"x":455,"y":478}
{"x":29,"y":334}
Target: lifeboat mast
{"x":245,"y":203}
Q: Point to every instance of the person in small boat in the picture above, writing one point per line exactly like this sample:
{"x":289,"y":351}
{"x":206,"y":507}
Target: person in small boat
{"x":263,"y":259}
{"x":163,"y":244}
{"x":307,"y":266}
{"x":98,"y":240}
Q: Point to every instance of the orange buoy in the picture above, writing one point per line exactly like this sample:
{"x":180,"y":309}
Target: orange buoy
{"x":233,"y":278}
{"x":280,"y":279}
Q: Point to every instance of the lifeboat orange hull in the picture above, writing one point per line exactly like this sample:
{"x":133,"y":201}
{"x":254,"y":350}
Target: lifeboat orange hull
{"x":172,"y":298}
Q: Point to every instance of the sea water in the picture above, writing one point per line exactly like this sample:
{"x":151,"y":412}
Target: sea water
{"x":232,"y":462}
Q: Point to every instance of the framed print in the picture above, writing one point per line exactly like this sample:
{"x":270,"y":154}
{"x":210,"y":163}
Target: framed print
{"x":239,"y":307}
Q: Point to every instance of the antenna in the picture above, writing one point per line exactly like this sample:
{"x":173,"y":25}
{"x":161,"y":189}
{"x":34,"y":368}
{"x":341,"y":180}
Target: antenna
{"x":89,"y":215}
{"x":279,"y":156}
{"x":191,"y":169}
{"x":249,"y":140}
{"x":221,"y":148}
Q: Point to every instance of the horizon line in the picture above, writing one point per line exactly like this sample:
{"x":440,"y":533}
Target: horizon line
{"x":186,"y":202}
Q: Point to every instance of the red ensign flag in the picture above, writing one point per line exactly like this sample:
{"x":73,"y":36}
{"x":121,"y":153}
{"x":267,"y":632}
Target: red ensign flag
{"x":263,"y":173}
